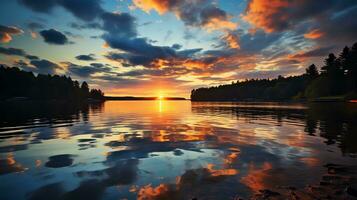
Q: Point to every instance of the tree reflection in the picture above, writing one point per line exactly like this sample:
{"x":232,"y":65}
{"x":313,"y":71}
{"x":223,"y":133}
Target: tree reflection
{"x":334,"y":121}
{"x":17,"y":116}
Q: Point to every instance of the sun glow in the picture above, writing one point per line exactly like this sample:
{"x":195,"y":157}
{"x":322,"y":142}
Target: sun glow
{"x":160,"y":96}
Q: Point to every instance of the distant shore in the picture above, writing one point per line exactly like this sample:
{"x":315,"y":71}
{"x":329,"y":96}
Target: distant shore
{"x":315,"y":100}
{"x":133,"y":98}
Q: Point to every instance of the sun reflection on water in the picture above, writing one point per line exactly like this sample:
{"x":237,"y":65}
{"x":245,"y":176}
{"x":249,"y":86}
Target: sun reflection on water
{"x":160,"y":105}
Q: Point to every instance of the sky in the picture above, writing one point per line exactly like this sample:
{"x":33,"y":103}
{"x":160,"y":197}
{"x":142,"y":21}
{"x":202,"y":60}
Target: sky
{"x":169,"y":47}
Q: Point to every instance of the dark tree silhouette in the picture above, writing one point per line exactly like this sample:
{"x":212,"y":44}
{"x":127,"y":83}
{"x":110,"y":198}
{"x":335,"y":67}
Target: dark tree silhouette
{"x":17,"y":83}
{"x":334,"y":73}
{"x":85,"y":90}
{"x":352,"y":67}
{"x":345,"y":59}
{"x":312,"y":72}
{"x":96,"y":94}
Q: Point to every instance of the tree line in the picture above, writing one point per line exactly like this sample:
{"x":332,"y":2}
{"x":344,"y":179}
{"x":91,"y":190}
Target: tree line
{"x":337,"y":77}
{"x":15,"y":83}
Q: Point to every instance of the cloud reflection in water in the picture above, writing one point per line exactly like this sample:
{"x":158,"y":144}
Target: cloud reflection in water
{"x":176,"y":149}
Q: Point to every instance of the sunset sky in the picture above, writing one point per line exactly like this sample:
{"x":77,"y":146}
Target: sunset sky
{"x":168,"y":47}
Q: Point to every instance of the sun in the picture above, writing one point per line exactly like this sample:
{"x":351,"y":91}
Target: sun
{"x":160,"y":96}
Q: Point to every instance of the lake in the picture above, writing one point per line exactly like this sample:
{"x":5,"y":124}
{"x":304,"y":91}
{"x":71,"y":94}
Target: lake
{"x":170,"y":149}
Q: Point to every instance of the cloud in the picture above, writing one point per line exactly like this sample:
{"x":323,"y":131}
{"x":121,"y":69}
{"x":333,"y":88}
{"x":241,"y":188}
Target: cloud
{"x":45,"y":66}
{"x":174,"y":63}
{"x":31,"y":57}
{"x":340,"y":26}
{"x":314,"y":34}
{"x":192,"y":13}
{"x":257,"y":42}
{"x":317,"y":52}
{"x":39,"y":6}
{"x":281,"y":15}
{"x":247,"y":43}
{"x":266,"y":14}
{"x":86,"y":71}
{"x":121,"y":34}
{"x":232,"y":40}
{"x":16,"y":52}
{"x":176,"y":46}
{"x":7,"y":31}
{"x":89,"y":57}
{"x":119,"y":24}
{"x":12,"y":51}
{"x":322,"y":17}
{"x":91,"y":25}
{"x":52,"y":36}
{"x":86,"y":10}
{"x":35,"y":26}
{"x":188,"y":52}
{"x":138,"y":50}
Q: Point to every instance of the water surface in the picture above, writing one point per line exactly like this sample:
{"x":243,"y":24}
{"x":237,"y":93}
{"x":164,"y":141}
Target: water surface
{"x":169,"y":149}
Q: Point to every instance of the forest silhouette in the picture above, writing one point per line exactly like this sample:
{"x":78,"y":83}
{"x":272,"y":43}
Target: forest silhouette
{"x":337,"y":78}
{"x":19,"y":84}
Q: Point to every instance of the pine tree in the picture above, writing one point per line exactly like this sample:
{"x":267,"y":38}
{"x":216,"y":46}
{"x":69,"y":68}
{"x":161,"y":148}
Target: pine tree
{"x":312,"y":72}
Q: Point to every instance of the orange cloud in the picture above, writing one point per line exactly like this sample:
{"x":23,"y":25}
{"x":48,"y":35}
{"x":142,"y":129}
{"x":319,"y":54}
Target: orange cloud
{"x":314,"y":34}
{"x":7,"y":31}
{"x":232,"y":40}
{"x":220,"y":23}
{"x":207,"y":16}
{"x":195,"y":64}
{"x":312,"y":162}
{"x":161,"y":6}
{"x":105,"y":45}
{"x":33,"y":34}
{"x":263,"y":14}
{"x":5,"y":38}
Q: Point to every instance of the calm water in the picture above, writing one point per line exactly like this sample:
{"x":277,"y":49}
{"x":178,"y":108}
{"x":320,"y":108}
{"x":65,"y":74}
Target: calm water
{"x":158,"y":149}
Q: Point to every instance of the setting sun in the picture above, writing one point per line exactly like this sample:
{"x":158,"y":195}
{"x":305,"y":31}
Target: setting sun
{"x":160,"y":95}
